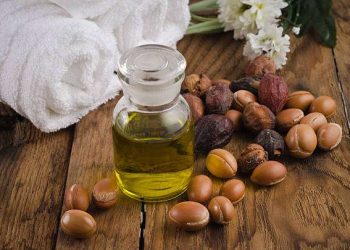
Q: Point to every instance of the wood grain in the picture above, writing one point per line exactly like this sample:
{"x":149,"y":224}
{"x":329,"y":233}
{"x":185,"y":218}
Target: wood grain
{"x":31,"y":181}
{"x":14,"y":129}
{"x":310,"y":208}
{"x":92,"y":160}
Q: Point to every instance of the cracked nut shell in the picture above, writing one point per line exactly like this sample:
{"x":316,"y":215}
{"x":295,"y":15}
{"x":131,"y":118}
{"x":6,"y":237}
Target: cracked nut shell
{"x":196,"y":84}
{"x":196,"y":106}
{"x":189,"y":215}
{"x":273,"y":92}
{"x":246,"y":83}
{"x":325,"y":105}
{"x":212,"y":131}
{"x":272,"y":142}
{"x":218,"y":99}
{"x":221,"y":210}
{"x":269,"y":173}
{"x":76,"y":197}
{"x":78,"y":224}
{"x":104,"y":193}
{"x":200,"y":189}
{"x":257,"y":117}
{"x":315,"y":120}
{"x":260,"y":66}
{"x":221,"y":163}
{"x":300,"y":100}
{"x":234,"y":190}
{"x":301,"y":141}
{"x":287,"y":118}
{"x":329,"y":136}
{"x":252,"y":156}
{"x":241,"y":98}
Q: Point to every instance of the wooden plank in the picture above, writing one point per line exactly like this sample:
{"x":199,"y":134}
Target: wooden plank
{"x":92,"y":160}
{"x":31,"y":181}
{"x":310,"y":209}
{"x":14,"y":129}
{"x":341,"y":10}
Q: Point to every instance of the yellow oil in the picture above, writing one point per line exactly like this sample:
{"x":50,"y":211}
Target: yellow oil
{"x":153,"y":155}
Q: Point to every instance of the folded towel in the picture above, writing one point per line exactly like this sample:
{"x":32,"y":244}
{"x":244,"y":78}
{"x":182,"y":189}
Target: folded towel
{"x":56,"y":66}
{"x":53,"y":69}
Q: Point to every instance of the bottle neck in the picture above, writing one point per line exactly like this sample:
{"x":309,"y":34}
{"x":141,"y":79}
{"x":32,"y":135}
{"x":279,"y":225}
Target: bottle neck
{"x":157,"y":108}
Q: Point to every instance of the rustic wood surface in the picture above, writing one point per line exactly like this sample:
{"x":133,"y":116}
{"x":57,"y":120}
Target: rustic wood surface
{"x":309,"y":210}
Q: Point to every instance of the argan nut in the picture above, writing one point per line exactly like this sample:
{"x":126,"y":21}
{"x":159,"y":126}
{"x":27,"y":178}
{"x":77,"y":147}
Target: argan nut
{"x":257,"y":117}
{"x":189,"y":215}
{"x":221,"y":210}
{"x":315,"y":120}
{"x":287,"y":118}
{"x":236,"y":118}
{"x":246,"y":83}
{"x":272,"y":142}
{"x":218,"y":99}
{"x":196,"y":84}
{"x":260,"y":66}
{"x":200,"y":189}
{"x":300,"y":100}
{"x":301,"y":141}
{"x":221,"y":163}
{"x":104,"y":194}
{"x":252,"y":156}
{"x":234,"y":190}
{"x":329,"y":136}
{"x":76,"y":197}
{"x":325,"y":105}
{"x":78,"y":224}
{"x":196,"y":106}
{"x":242,"y":98}
{"x":273,"y":92}
{"x":269,"y":173}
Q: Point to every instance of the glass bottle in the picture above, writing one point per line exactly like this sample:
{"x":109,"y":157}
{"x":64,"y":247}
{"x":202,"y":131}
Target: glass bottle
{"x":153,"y":134}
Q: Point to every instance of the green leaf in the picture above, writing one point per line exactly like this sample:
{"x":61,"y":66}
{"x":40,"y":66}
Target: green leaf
{"x":326,"y":31}
{"x":312,"y":15}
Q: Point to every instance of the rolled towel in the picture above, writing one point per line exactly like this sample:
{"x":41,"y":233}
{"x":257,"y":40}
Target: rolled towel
{"x":54,"y":69}
{"x":146,"y":21}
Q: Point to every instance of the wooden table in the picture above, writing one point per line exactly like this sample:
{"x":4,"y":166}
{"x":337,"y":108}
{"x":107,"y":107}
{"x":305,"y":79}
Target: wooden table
{"x":310,"y":209}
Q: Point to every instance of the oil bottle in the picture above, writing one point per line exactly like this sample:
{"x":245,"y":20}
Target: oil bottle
{"x":152,"y":126}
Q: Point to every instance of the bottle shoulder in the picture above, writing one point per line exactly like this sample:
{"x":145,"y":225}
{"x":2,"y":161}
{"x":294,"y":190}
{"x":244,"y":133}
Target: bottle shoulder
{"x":131,"y":121}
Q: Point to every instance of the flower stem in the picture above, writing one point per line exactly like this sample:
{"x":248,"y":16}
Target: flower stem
{"x":202,"y":5}
{"x":201,"y":18}
{"x":205,"y":27}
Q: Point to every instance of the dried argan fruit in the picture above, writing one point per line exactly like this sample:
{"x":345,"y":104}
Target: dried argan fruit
{"x":257,"y":117}
{"x":196,"y":106}
{"x":218,"y":99}
{"x":273,"y":92}
{"x":212,"y":131}
{"x":196,"y":84}
{"x":272,"y":142}
{"x":260,"y":66}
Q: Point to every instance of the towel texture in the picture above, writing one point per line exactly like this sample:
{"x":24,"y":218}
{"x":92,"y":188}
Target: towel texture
{"x":57,"y":57}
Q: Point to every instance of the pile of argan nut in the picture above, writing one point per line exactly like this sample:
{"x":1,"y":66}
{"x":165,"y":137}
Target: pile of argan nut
{"x":261,"y":105}
{"x":76,"y":222}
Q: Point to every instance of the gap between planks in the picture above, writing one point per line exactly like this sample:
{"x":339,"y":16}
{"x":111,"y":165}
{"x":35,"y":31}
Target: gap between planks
{"x":340,"y":87}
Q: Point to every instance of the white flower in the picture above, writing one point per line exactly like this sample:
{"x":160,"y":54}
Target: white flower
{"x":270,"y":41}
{"x":248,"y":16}
{"x":296,"y":30}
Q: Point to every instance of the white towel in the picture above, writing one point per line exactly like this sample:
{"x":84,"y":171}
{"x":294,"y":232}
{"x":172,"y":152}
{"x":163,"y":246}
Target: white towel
{"x":53,"y":68}
{"x":56,"y":66}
